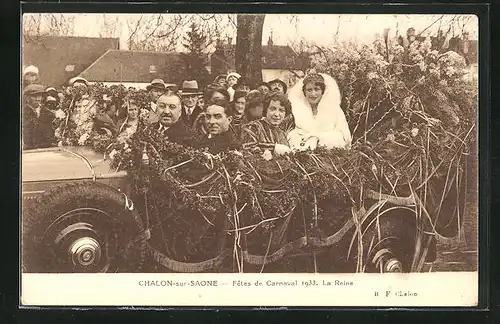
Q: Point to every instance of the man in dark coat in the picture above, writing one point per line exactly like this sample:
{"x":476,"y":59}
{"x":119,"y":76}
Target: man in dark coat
{"x":190,"y":110}
{"x":219,"y":137}
{"x":170,"y":124}
{"x":37,"y":129}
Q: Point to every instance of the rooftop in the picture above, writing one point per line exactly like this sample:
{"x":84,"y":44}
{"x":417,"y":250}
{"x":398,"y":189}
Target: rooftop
{"x":60,"y":58}
{"x":136,"y":66}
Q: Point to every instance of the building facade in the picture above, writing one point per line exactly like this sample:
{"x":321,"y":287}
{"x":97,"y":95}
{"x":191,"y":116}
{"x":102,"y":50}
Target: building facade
{"x":60,"y":58}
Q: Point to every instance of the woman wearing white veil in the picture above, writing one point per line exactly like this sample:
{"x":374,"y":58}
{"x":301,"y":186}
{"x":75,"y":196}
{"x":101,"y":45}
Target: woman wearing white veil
{"x":319,"y":120}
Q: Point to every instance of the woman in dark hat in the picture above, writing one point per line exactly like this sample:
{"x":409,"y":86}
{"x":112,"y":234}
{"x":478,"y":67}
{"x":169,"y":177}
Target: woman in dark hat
{"x":243,"y":85}
{"x":264,"y":88}
{"x":51,"y":91}
{"x":51,"y":104}
{"x":278,"y":85}
{"x":221,"y":80}
{"x":51,"y":99}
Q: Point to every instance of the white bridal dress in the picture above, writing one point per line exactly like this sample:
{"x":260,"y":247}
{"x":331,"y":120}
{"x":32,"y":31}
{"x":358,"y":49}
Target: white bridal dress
{"x":329,"y":125}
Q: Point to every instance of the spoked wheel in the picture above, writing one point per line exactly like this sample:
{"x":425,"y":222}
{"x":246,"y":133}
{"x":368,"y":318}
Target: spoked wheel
{"x":82,"y":228}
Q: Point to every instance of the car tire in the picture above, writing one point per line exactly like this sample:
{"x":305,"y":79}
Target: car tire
{"x":388,"y":246}
{"x":81,"y":228}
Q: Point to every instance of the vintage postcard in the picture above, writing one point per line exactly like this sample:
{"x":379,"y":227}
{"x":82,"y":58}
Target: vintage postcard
{"x":249,"y":160}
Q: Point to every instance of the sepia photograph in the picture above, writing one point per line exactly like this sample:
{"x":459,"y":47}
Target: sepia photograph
{"x":199,"y":155}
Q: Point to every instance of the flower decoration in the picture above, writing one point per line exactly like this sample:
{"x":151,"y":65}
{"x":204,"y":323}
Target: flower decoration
{"x":267,"y":155}
{"x":413,"y":92}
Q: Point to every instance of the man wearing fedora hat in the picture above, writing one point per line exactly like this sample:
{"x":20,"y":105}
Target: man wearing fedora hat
{"x":190,"y":94}
{"x":37,"y":129}
{"x":156,"y":88}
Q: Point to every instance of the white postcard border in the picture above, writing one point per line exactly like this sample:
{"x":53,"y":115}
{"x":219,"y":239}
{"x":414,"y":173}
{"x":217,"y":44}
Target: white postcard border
{"x":443,"y":289}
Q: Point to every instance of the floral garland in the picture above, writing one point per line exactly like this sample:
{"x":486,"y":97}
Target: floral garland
{"x":385,"y":85}
{"x":412,"y":118}
{"x":336,"y":175}
{"x":390,"y":158}
{"x":78,"y":110}
{"x":257,"y":194}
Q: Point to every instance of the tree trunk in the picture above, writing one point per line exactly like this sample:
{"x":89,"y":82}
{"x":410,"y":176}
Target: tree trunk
{"x":248,"y":56}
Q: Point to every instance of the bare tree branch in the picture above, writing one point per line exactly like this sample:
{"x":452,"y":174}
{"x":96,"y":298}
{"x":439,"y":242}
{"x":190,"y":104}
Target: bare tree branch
{"x":173,"y":29}
{"x":437,"y":20}
{"x":232,"y":21}
{"x":336,"y":37}
{"x":157,"y":25}
{"x":133,"y":32}
{"x":207,"y":18}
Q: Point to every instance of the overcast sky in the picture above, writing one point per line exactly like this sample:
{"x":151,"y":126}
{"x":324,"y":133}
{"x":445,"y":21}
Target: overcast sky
{"x":316,"y":28}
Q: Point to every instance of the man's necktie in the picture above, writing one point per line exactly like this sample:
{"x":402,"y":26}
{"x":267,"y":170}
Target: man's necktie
{"x":162,"y":130}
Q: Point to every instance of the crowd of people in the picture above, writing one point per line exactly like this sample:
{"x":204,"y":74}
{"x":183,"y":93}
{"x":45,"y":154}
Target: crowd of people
{"x":230,"y":113}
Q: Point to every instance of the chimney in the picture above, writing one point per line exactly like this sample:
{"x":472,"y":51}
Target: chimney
{"x":270,"y":40}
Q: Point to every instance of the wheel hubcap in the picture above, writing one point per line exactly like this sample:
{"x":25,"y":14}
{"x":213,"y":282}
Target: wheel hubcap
{"x":386,"y":261}
{"x":81,"y":241}
{"x":393,"y":266}
{"x":84,"y":252}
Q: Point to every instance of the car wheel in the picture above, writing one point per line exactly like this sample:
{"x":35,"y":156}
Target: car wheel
{"x":81,"y":228}
{"x":388,"y":246}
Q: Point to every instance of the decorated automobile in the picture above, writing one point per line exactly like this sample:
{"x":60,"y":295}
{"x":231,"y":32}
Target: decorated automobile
{"x":184,"y":210}
{"x":99,"y":203}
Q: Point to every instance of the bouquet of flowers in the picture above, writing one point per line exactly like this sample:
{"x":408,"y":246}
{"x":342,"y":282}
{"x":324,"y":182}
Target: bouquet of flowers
{"x":79,"y":110}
